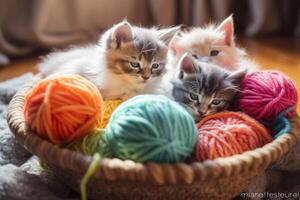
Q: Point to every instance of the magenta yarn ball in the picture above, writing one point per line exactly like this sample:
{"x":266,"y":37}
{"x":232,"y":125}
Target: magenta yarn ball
{"x":265,"y":94}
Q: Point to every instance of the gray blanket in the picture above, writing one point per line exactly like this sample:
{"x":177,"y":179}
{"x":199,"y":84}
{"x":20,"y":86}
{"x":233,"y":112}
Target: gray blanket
{"x":21,"y":177}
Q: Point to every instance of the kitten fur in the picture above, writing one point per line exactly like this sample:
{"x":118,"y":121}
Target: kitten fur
{"x":127,"y":61}
{"x":205,"y":88}
{"x":212,"y":44}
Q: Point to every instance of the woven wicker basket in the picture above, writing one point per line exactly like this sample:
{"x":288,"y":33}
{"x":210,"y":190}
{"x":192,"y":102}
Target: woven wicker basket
{"x":222,"y":178}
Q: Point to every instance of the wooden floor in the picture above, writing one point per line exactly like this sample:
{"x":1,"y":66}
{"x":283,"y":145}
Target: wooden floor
{"x":273,"y":53}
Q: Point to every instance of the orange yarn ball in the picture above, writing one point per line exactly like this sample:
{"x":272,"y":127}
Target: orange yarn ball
{"x":63,"y":108}
{"x":228,"y":133}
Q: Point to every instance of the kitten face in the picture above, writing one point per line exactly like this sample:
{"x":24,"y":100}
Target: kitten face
{"x":204,"y":88}
{"x":138,"y":55}
{"x":210,"y":44}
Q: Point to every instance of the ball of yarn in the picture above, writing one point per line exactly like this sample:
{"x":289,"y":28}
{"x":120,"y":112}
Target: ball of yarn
{"x":90,"y":144}
{"x":108,"y":108}
{"x":266,"y":94}
{"x":63,"y":108}
{"x":279,"y":127}
{"x":228,"y":133}
{"x":151,"y":128}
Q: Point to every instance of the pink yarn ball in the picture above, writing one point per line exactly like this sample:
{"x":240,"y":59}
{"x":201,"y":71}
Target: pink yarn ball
{"x":228,"y":133}
{"x":265,"y":94}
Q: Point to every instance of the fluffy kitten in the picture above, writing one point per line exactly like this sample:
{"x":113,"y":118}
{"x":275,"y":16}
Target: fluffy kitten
{"x":205,"y":88}
{"x":213,"y":44}
{"x":127,"y":60}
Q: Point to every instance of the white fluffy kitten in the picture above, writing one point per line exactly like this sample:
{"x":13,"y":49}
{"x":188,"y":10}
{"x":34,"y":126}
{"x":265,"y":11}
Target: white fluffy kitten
{"x":127,"y":61}
{"x":212,"y":44}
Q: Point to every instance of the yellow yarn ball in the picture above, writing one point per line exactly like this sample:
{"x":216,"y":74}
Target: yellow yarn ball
{"x":109,"y":107}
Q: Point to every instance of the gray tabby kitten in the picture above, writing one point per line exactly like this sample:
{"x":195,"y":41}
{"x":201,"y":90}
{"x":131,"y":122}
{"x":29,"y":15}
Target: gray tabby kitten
{"x":205,"y":88}
{"x":127,"y":61}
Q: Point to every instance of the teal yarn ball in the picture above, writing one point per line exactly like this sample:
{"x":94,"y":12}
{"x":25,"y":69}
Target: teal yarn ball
{"x":151,"y":128}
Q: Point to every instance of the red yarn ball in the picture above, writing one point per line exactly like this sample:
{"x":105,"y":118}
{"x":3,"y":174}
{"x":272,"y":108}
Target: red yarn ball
{"x":265,"y":94}
{"x":228,"y":133}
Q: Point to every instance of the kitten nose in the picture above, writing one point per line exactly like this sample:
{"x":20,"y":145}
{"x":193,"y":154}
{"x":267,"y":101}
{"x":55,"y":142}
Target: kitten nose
{"x":145,"y":78}
{"x":201,"y":113}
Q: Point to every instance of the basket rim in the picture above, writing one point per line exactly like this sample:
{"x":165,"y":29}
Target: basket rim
{"x":117,"y":170}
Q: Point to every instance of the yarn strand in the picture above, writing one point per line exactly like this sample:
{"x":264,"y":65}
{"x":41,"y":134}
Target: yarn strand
{"x":91,"y":170}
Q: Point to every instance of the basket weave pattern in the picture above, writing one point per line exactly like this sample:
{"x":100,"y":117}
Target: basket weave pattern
{"x":222,"y":178}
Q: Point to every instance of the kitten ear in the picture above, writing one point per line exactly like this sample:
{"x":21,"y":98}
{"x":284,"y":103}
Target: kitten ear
{"x":175,"y":47}
{"x":187,"y":65}
{"x":237,"y":77}
{"x":167,"y":34}
{"x":121,"y":33}
{"x":227,"y":28}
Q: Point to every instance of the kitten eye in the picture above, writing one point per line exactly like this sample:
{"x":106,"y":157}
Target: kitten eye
{"x":216,"y":102}
{"x":135,"y":64}
{"x":194,"y":96}
{"x":195,"y":56}
{"x":155,"y":66}
{"x":214,"y":52}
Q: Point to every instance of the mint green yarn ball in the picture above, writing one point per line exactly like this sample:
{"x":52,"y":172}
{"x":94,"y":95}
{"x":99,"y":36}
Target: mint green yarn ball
{"x":151,"y":128}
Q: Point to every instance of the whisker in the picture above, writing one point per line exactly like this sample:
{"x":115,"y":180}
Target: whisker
{"x":144,"y":51}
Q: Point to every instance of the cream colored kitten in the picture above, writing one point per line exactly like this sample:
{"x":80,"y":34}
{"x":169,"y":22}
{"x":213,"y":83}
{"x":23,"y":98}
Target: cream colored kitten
{"x":127,"y":61}
{"x":212,"y":44}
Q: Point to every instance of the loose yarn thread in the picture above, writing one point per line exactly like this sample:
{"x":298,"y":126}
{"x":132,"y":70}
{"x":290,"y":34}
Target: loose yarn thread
{"x":89,"y":173}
